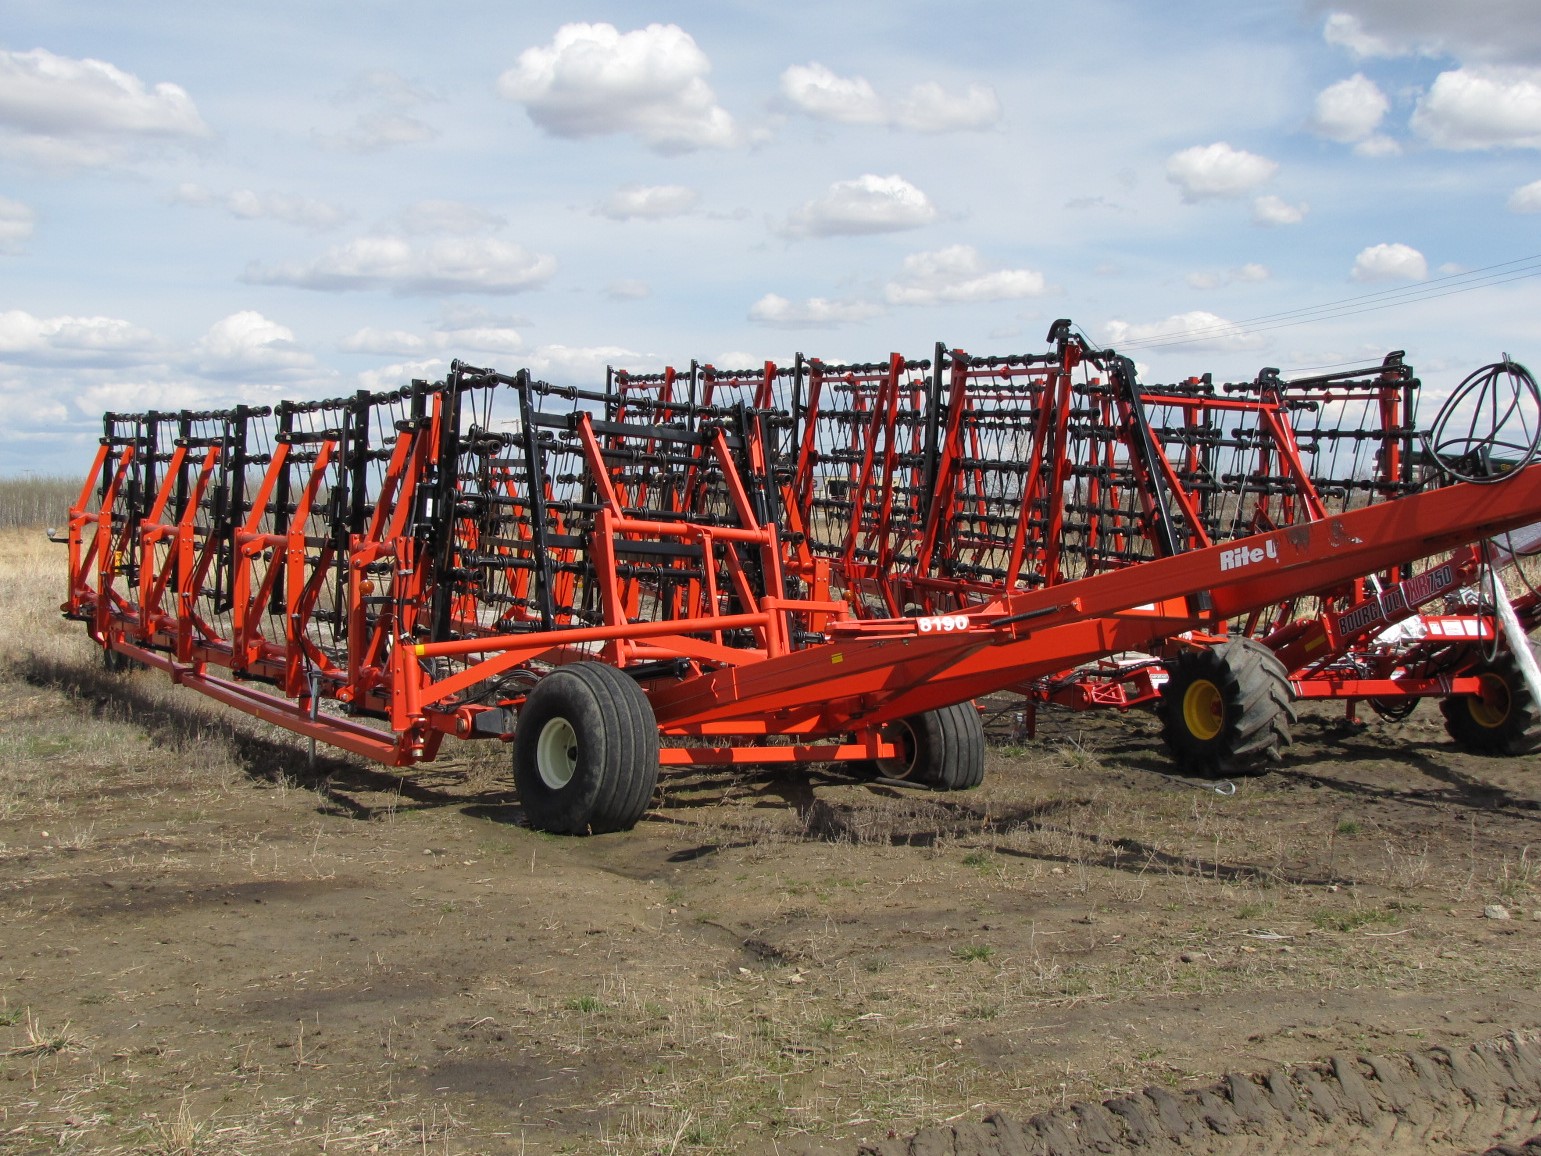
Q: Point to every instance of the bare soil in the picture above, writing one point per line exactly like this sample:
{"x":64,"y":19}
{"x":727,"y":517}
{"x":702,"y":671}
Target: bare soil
{"x":208,"y":944}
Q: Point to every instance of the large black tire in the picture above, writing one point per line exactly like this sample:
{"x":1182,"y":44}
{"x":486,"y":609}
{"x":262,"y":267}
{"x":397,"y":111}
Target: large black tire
{"x":1227,"y":710}
{"x":941,"y":748}
{"x":1503,"y":720}
{"x":585,"y":751}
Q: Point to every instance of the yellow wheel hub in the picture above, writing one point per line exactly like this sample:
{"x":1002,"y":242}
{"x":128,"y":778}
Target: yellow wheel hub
{"x":1490,"y":707}
{"x":1203,"y":710}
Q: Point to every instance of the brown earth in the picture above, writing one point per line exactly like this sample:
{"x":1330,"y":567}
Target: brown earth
{"x":207,"y":945}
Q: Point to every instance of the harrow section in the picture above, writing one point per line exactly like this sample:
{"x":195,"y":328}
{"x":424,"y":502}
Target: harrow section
{"x":818,"y":562}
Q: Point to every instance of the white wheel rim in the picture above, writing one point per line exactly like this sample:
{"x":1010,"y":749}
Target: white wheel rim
{"x":556,"y":753}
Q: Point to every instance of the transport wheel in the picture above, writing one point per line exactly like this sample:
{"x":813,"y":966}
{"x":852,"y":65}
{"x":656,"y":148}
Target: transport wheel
{"x":943,"y":748}
{"x":585,"y":751}
{"x":1503,"y":719}
{"x":116,"y":662}
{"x":1226,"y":710}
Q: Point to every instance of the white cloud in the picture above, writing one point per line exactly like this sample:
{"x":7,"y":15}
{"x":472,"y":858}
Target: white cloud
{"x":649,"y":202}
{"x":627,"y":290}
{"x":1250,"y":273}
{"x":1350,"y":110}
{"x":29,"y":340}
{"x":387,"y":88}
{"x":374,"y":132}
{"x":465,"y":315}
{"x":1482,"y":108}
{"x":396,"y":342}
{"x":68,"y":112}
{"x":192,"y":193}
{"x":1095,"y":202}
{"x":482,"y":338}
{"x":47,"y":95}
{"x":577,"y":363}
{"x":452,"y":338}
{"x":817,"y":92}
{"x":247,"y":343}
{"x":1495,"y":30}
{"x":1270,"y":210}
{"x":1198,"y":329}
{"x":1394,"y":262}
{"x":557,"y":363}
{"x":452,"y":217}
{"x":1345,"y":30}
{"x":595,"y":81}
{"x":92,"y":399}
{"x":394,"y":376}
{"x":930,"y":108}
{"x":1217,"y":170}
{"x":17,"y":222}
{"x":306,"y":212}
{"x":384,"y":123}
{"x":1526,"y":198}
{"x":453,"y":265}
{"x":868,"y":204}
{"x":1378,"y":145}
{"x":958,"y":273}
{"x":814,"y":313}
{"x":38,"y":418}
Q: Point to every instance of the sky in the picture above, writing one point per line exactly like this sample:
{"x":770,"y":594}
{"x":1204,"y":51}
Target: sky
{"x":209,"y":203}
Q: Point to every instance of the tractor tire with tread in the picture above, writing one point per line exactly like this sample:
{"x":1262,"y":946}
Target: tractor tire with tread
{"x":1227,"y":710}
{"x":1504,"y":720}
{"x":585,"y":751}
{"x":942,"y":748}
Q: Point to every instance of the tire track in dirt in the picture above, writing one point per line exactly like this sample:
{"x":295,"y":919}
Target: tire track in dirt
{"x":1443,"y":1099}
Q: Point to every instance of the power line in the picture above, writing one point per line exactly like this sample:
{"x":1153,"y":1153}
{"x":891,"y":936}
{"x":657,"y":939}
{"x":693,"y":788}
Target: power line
{"x":1486,"y":277}
{"x":1346,"y":307}
{"x":1437,"y":286}
{"x":1238,"y":328}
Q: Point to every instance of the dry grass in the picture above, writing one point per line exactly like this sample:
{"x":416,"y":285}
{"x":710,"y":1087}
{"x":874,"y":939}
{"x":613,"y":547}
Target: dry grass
{"x":1073,"y":902}
{"x":44,"y":1041}
{"x":32,"y":584}
{"x":182,"y":1135}
{"x":765,"y":958}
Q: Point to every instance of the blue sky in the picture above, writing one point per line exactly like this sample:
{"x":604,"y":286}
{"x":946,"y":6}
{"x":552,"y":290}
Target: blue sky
{"x":208,"y":203}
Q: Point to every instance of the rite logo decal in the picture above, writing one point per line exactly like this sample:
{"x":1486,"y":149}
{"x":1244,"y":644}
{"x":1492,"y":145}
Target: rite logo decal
{"x":1238,"y":556}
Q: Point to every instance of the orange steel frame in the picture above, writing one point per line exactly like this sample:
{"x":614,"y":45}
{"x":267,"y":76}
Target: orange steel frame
{"x":874,"y":672}
{"x":833,"y":697}
{"x":1158,"y":505}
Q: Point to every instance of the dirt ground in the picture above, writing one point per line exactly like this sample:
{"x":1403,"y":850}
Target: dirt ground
{"x":208,"y":945}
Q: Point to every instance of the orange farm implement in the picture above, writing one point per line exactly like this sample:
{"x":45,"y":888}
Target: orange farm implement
{"x":810,"y":563}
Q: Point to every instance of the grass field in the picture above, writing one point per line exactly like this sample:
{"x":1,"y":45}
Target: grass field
{"x":208,"y":945}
